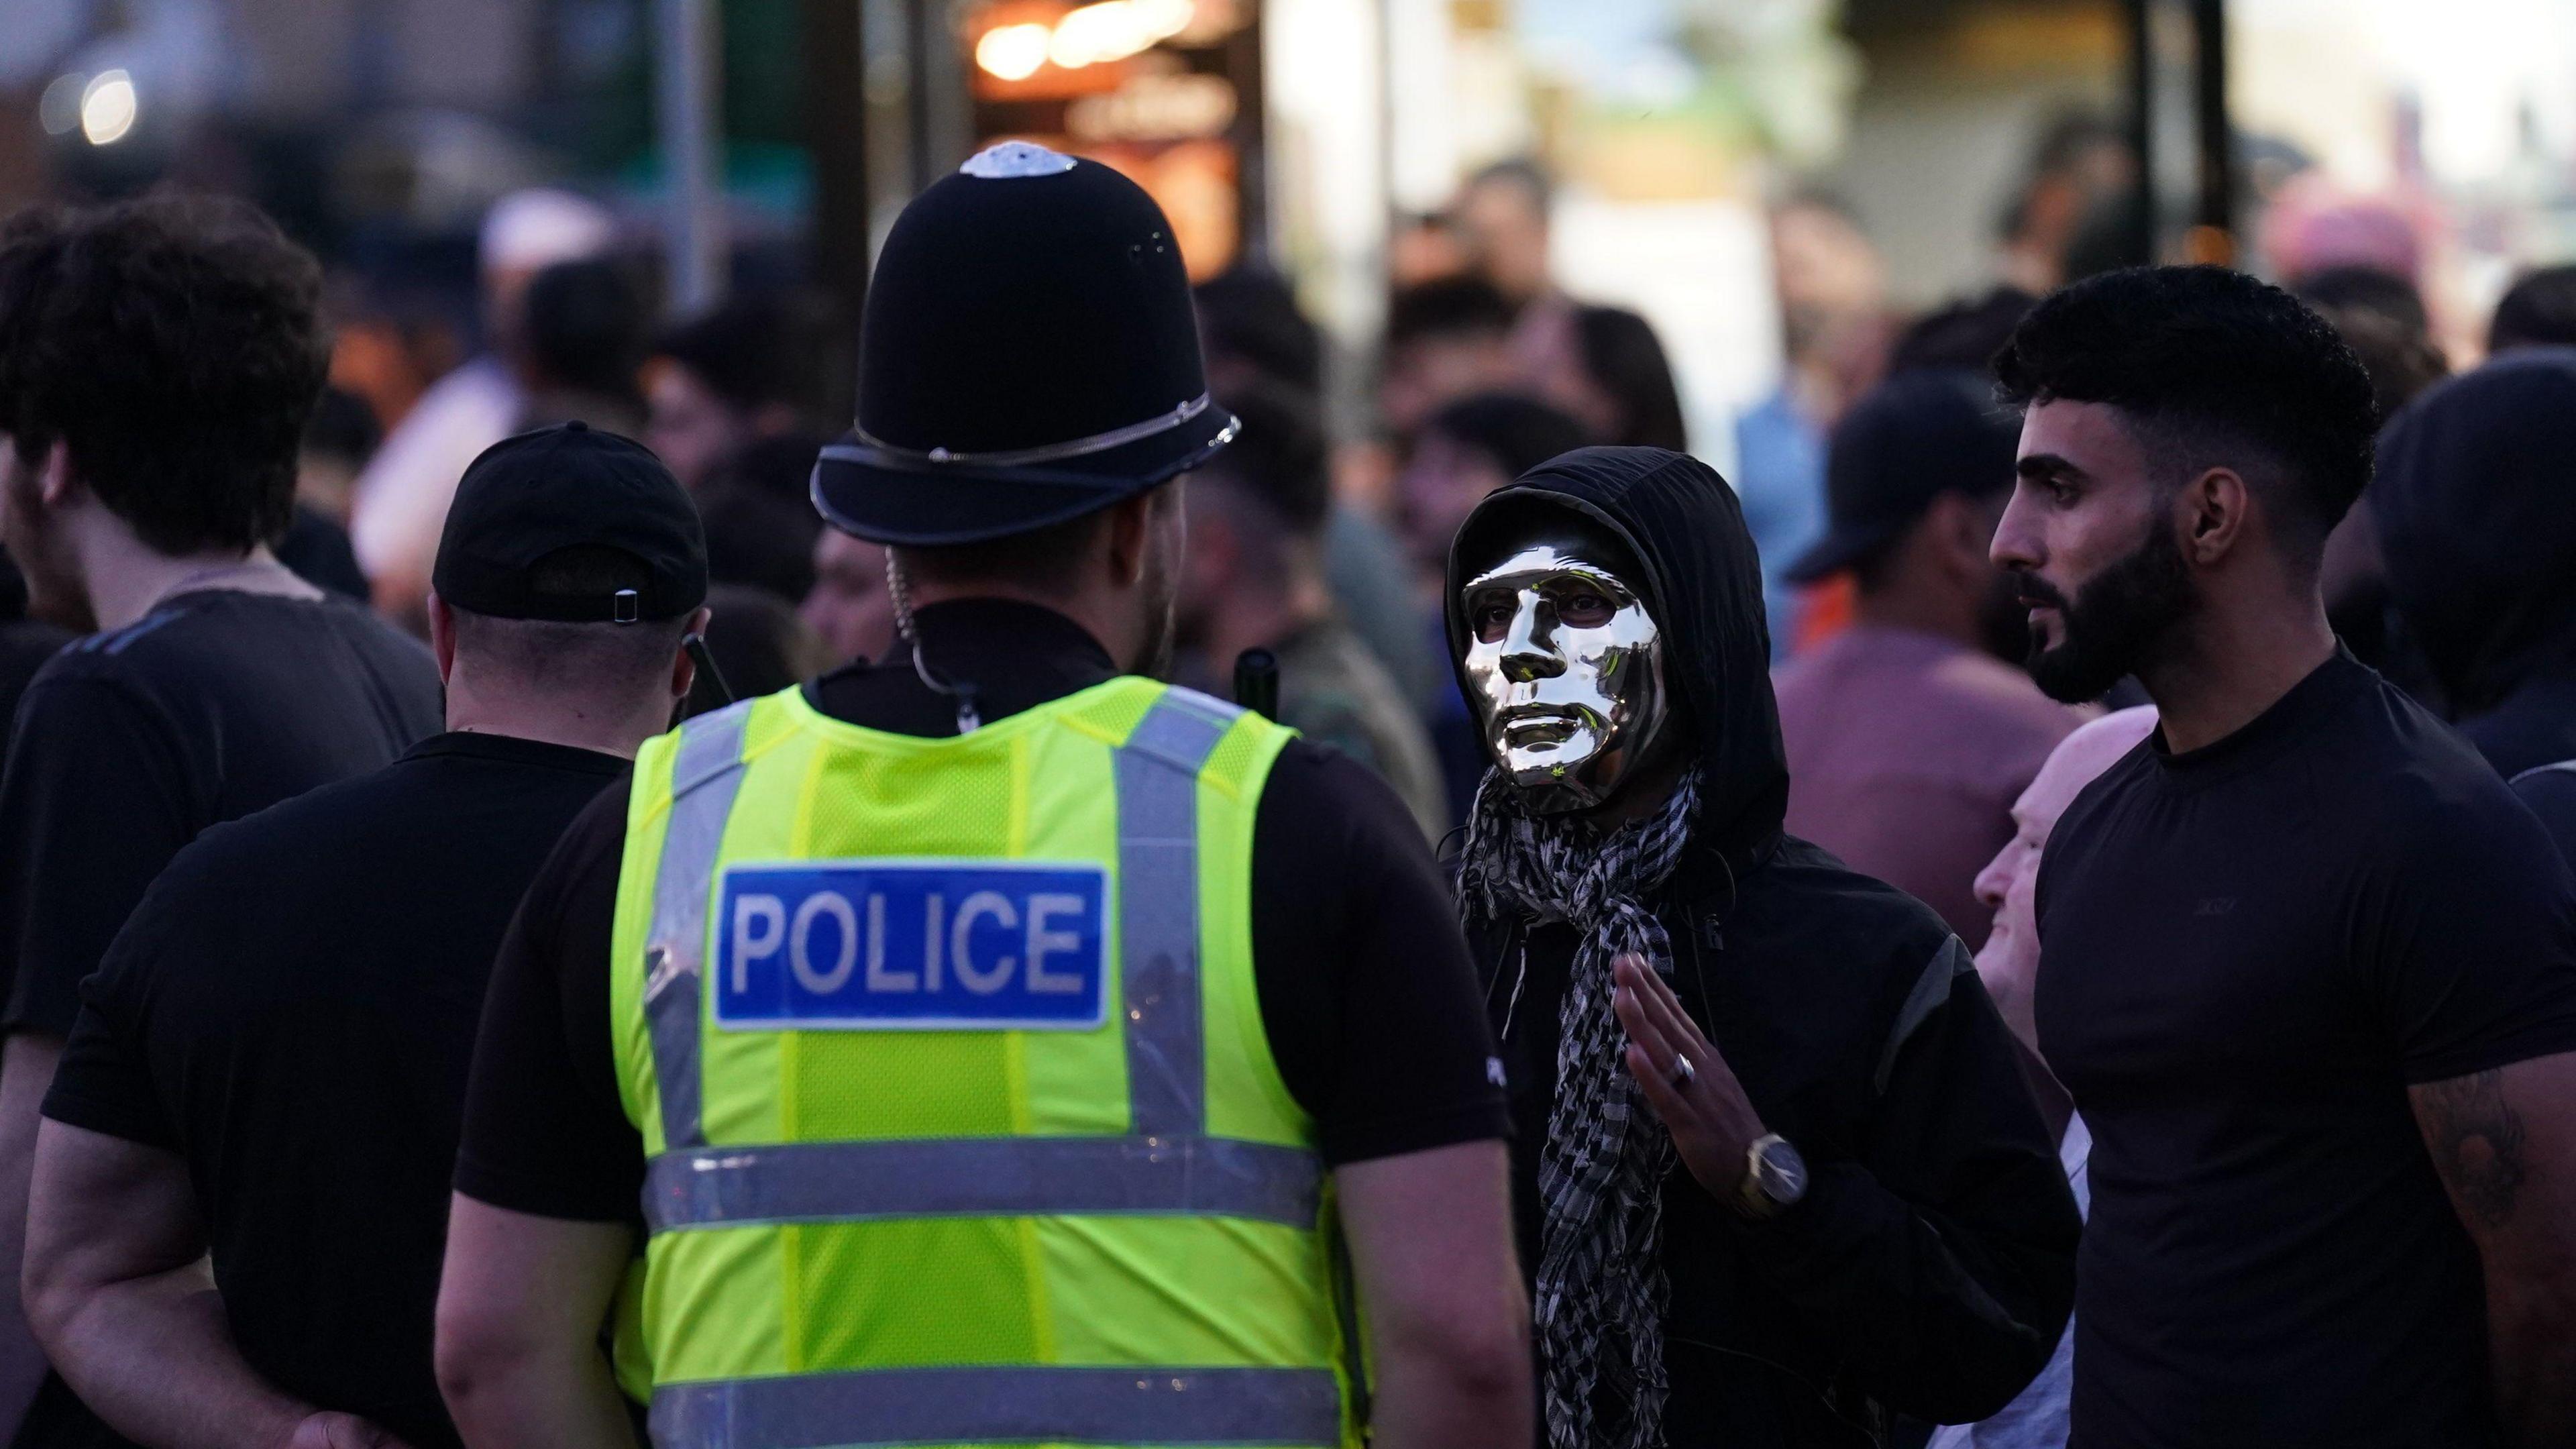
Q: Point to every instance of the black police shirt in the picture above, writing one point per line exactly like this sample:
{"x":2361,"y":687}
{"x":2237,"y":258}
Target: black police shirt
{"x":292,"y":1010}
{"x":2251,"y":951}
{"x":1366,"y":994}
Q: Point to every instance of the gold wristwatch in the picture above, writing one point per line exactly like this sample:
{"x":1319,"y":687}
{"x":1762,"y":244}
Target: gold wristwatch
{"x":1775,"y":1177}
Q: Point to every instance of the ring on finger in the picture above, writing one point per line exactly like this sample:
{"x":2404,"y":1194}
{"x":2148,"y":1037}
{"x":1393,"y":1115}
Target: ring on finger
{"x":1683,"y":1072}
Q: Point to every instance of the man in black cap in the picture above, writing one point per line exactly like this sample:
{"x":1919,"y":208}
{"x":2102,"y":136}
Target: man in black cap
{"x":1908,"y":738}
{"x":268,"y":1070}
{"x":1185,"y":967}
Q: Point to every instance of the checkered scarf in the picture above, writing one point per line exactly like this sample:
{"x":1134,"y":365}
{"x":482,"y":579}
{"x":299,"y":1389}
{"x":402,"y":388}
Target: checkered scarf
{"x":1601,"y":1288}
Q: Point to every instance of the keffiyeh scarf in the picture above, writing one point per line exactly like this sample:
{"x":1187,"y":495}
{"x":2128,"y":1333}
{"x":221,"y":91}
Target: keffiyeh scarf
{"x":1601,"y":1291}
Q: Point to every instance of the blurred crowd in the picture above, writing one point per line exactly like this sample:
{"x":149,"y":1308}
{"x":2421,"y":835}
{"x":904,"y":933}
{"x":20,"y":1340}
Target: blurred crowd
{"x":1870,"y":488}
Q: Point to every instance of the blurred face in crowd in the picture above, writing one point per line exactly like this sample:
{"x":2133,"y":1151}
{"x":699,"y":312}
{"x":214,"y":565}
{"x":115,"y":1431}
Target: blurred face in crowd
{"x":1504,"y":225}
{"x":2009,"y":961}
{"x":2090,"y":539}
{"x":1429,"y":373}
{"x":33,"y":533}
{"x":1565,"y":667}
{"x":849,"y":607}
{"x":1439,"y":487}
{"x":691,"y":428}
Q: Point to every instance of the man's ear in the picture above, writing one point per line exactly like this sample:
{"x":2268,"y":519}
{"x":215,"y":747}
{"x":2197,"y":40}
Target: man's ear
{"x":1131,"y":538}
{"x":54,"y":483}
{"x":442,"y":635}
{"x":684,"y":670}
{"x":2213,"y":513}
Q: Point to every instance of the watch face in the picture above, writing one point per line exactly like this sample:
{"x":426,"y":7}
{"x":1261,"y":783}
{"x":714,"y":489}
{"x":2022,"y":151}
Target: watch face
{"x":1784,"y":1173}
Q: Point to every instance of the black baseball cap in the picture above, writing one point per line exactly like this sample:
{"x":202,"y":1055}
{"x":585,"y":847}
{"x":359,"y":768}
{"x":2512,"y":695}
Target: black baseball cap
{"x":563,"y":487}
{"x":1914,"y":437}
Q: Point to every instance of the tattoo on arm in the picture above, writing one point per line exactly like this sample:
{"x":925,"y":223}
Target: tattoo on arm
{"x":2477,"y":1141}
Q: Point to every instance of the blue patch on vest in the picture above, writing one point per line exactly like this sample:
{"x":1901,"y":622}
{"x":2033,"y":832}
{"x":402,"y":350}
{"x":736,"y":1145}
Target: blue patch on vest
{"x":953,"y":945}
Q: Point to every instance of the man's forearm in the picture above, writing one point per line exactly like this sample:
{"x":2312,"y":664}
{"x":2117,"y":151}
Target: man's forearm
{"x":26,"y":1070}
{"x":531,"y":1404}
{"x":155,"y":1358}
{"x":1426,"y":1403}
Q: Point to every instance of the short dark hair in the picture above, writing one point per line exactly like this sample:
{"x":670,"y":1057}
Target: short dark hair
{"x":750,"y":351}
{"x":586,"y":327}
{"x":1250,"y":312}
{"x":1281,"y":459}
{"x":760,"y":524}
{"x":1447,"y":307}
{"x":1626,"y":360}
{"x":2537,"y":311}
{"x":1517,"y":433}
{"x":174,"y":345}
{"x":2211,"y":366}
{"x":1965,"y":333}
{"x":2356,"y":288}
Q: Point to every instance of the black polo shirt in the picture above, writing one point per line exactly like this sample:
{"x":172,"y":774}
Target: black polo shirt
{"x":1367,"y":998}
{"x":292,"y":1010}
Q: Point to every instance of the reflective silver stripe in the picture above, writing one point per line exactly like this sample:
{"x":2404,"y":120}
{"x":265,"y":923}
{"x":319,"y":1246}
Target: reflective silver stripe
{"x":1018,"y":457}
{"x":704,"y":780}
{"x":1016,"y":1405}
{"x":1158,"y":909}
{"x":982,"y":1177}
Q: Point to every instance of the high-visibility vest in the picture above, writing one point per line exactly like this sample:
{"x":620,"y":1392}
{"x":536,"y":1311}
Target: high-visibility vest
{"x":961,"y":1124}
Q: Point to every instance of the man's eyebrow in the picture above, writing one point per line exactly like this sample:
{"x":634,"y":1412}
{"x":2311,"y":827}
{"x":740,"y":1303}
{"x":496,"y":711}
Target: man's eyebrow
{"x":2042,"y":467}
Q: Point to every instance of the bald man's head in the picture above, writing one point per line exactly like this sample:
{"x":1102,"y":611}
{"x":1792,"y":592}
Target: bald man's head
{"x":2009,"y":961}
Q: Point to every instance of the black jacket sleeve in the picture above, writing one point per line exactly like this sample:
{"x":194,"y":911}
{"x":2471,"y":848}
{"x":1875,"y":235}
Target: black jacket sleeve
{"x":1941,"y":1263}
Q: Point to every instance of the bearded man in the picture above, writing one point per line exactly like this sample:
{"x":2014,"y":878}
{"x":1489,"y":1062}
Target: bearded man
{"x":2309,"y":968}
{"x":1868,"y":1218}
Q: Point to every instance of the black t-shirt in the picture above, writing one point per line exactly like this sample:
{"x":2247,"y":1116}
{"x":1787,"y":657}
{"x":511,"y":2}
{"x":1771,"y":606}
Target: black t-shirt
{"x":2550,"y":791}
{"x":1366,"y":994}
{"x":2251,"y":952}
{"x":292,"y":1010}
{"x":215,"y":704}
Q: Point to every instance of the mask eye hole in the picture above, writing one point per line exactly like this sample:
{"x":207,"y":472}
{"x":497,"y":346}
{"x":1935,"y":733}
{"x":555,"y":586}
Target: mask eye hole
{"x":1490,"y":617}
{"x":1584,"y":607}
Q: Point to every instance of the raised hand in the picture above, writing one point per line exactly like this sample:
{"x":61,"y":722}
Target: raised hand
{"x":1703,"y":1106}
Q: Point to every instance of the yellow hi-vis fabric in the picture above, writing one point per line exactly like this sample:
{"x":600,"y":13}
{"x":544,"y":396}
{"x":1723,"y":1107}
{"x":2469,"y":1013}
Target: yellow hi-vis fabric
{"x":1116,"y":1235}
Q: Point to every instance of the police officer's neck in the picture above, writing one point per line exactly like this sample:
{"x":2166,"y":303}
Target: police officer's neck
{"x":1114,"y":622}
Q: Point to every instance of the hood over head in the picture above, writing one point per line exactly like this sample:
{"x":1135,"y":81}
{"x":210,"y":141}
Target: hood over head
{"x":1703,"y":586}
{"x":2476,"y":505}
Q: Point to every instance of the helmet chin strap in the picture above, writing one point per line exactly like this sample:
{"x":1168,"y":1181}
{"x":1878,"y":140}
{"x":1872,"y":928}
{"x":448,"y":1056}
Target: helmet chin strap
{"x":899,"y":589}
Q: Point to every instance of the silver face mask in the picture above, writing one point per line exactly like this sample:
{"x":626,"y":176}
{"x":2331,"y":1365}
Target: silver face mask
{"x":1567,"y":673}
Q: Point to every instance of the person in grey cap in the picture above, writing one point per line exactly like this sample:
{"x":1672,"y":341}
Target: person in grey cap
{"x":1005,"y":1047}
{"x":1911,"y":732}
{"x":260,"y":1097}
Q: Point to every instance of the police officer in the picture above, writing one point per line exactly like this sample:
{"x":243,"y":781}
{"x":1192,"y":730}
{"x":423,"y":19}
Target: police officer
{"x":1003,"y":1047}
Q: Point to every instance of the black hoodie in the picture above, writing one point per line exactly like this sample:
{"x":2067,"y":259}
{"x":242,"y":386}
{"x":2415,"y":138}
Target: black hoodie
{"x":2476,"y":505}
{"x":1931,"y":1266}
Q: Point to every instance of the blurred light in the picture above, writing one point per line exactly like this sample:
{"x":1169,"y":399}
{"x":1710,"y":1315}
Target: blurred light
{"x":58,"y":109}
{"x":1115,"y":30}
{"x":107,"y":108}
{"x":1013,"y":52}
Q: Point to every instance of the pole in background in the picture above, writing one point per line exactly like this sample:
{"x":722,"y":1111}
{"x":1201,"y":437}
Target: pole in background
{"x":2140,"y":18}
{"x":686,"y":97}
{"x":2213,"y":230}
